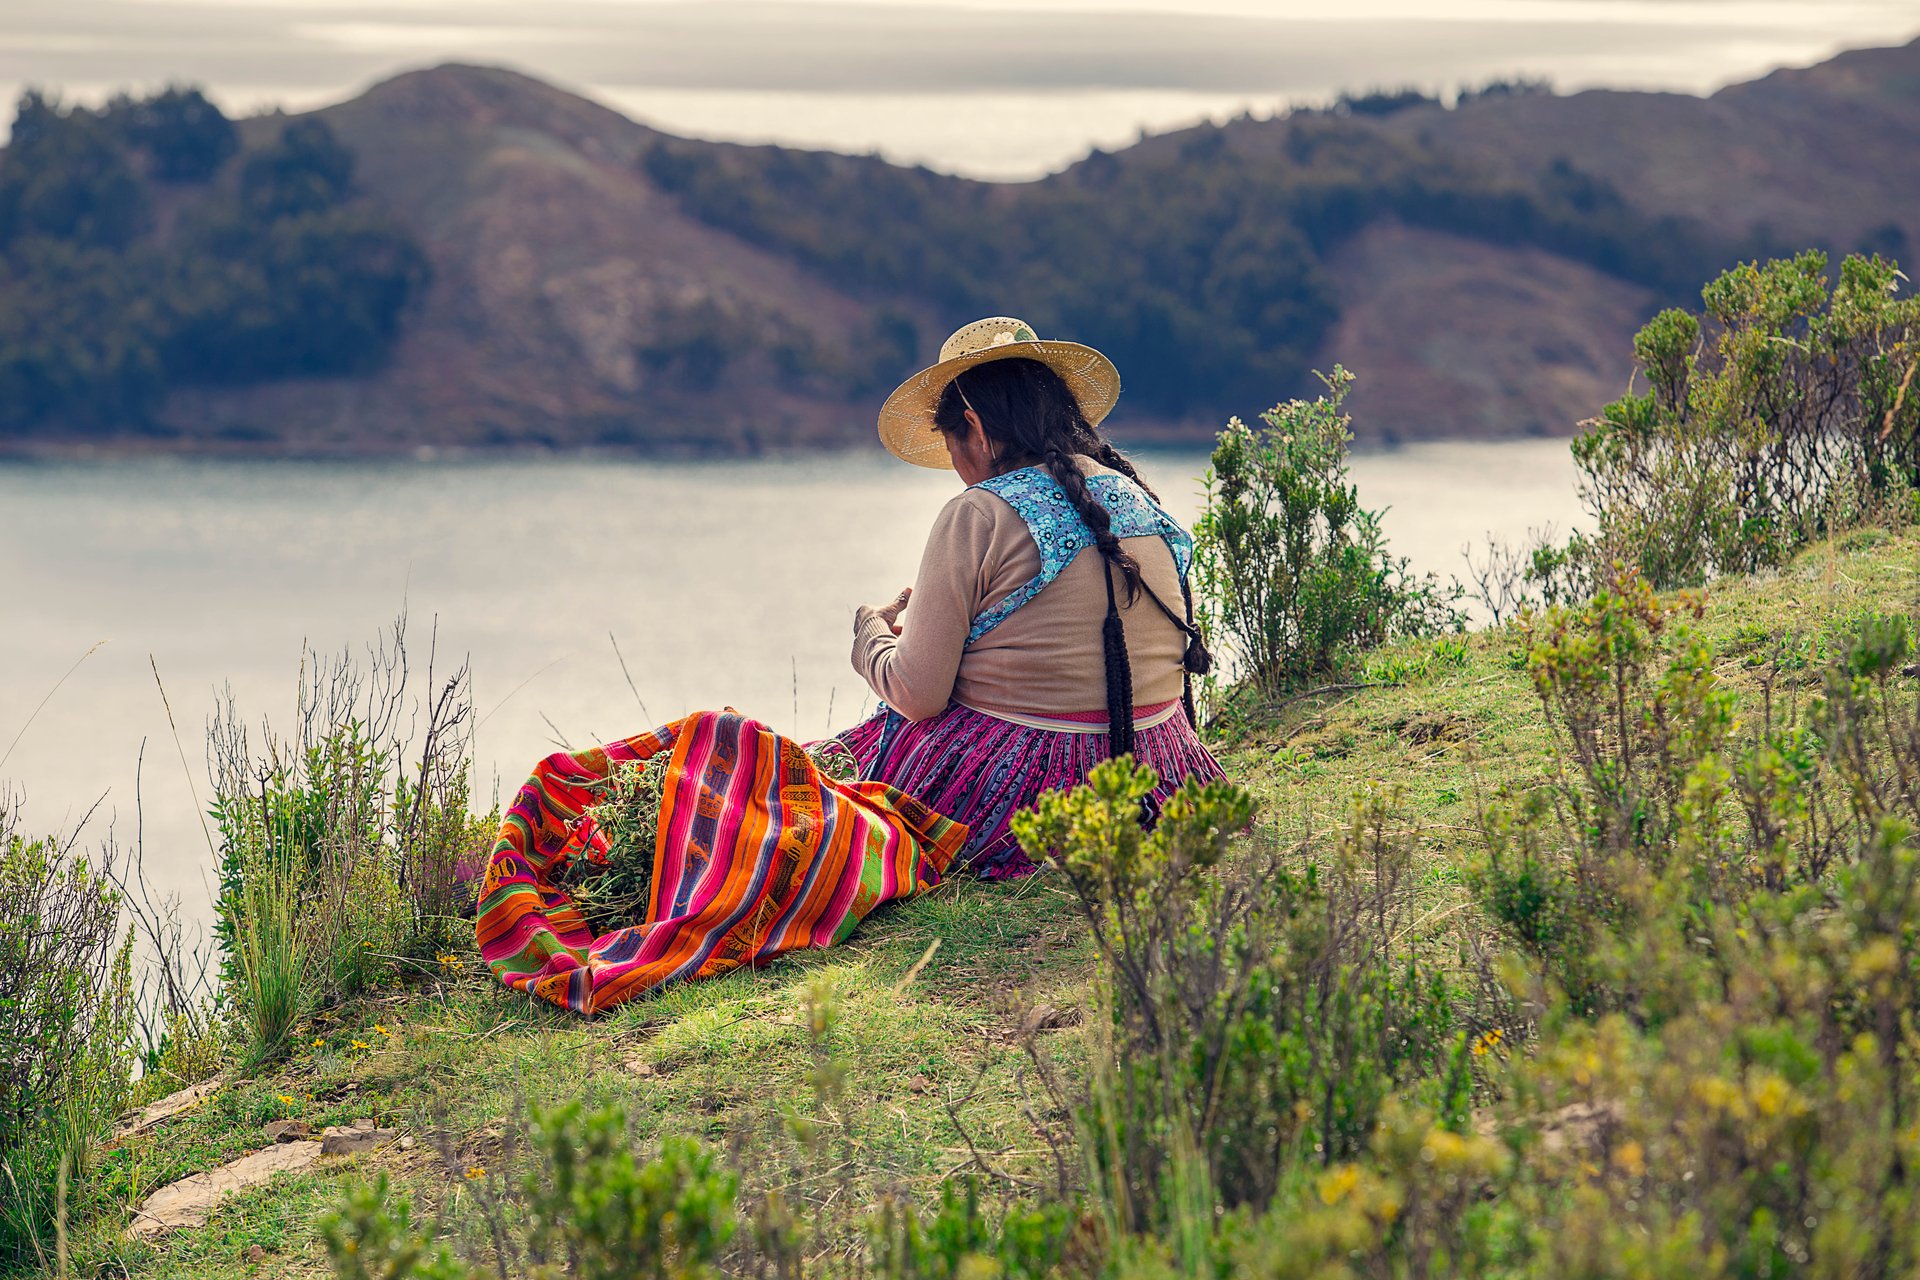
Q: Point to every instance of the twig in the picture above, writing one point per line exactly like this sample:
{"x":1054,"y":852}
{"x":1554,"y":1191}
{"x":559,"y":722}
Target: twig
{"x":644,"y":713}
{"x":918,"y":965}
{"x":517,"y":688}
{"x":559,"y":737}
{"x":182,"y":752}
{"x":1900,"y":398}
{"x":1333,"y":688}
{"x":4,"y":757}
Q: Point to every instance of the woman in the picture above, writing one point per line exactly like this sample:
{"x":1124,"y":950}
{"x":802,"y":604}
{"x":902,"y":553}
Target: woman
{"x":1050,"y":625}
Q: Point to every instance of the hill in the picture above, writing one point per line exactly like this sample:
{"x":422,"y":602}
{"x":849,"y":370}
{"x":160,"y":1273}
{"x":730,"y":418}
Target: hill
{"x":596,"y":283}
{"x":937,"y":996}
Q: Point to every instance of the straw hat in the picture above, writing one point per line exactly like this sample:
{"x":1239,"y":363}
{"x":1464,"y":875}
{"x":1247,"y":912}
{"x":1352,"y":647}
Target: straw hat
{"x":906,"y":419}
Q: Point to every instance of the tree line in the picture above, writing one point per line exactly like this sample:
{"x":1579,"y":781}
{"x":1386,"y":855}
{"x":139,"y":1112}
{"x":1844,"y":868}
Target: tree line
{"x":142,"y":249}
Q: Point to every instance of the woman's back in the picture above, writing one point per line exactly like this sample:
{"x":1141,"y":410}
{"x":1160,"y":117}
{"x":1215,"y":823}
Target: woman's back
{"x":1043,"y":659}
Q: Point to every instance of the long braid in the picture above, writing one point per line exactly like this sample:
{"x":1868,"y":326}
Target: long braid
{"x":1098,"y":519}
{"x":1102,"y":450}
{"x":1113,"y":632}
{"x":1113,"y":638}
{"x":1035,"y":417}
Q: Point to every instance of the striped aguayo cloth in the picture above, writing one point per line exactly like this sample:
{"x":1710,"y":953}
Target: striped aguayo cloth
{"x":759,"y":854}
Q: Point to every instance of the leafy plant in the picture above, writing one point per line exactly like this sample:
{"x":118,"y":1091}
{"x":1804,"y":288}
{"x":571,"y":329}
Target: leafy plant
{"x":1785,"y":411}
{"x":1722,"y":922}
{"x":1264,"y":1008}
{"x":66,"y":1026}
{"x":341,"y":845}
{"x":1293,"y":573}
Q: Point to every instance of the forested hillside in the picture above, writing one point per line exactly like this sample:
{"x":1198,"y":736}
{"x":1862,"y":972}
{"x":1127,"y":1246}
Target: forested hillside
{"x":138,"y":256}
{"x":465,"y":257}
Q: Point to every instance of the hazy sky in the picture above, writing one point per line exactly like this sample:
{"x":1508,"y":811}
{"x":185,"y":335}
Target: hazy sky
{"x":1000,"y":87}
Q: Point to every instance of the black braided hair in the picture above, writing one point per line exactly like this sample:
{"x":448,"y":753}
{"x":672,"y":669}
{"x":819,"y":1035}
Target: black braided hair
{"x":1032,"y":417}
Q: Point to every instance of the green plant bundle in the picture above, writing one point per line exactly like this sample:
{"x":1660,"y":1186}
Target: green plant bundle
{"x":614,"y":889}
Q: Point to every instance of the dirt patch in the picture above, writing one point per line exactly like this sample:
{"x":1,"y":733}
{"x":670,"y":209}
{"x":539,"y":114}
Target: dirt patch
{"x":1434,"y":726}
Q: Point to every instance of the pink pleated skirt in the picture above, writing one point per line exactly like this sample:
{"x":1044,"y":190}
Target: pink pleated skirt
{"x":980,"y":769}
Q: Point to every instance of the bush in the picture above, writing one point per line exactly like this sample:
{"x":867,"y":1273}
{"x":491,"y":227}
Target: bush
{"x":340,"y":847}
{"x":591,"y":1205}
{"x":1292,"y":572}
{"x":66,"y":1020}
{"x":1263,"y":1016}
{"x":1724,"y":924}
{"x":1785,"y":411}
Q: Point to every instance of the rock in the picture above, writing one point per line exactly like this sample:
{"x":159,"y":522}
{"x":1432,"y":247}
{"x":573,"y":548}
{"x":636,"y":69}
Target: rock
{"x":288,"y":1130}
{"x":1046,"y":1017}
{"x":362,"y":1135}
{"x":920,"y":1084}
{"x":166,"y":1108}
{"x":255,"y":1254}
{"x":407,"y":1143}
{"x":1580,"y":1126}
{"x":191,"y":1201}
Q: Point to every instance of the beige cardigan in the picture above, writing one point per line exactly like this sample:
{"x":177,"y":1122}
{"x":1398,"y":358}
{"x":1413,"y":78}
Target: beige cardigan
{"x":1046,"y":658}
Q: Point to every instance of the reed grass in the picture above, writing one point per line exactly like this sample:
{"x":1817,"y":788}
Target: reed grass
{"x":271,"y":945}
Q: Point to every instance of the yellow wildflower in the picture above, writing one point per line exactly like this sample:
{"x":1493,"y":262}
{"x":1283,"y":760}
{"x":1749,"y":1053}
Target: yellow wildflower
{"x":1338,"y":1182}
{"x":381,"y":1029}
{"x":361,"y":1044}
{"x":284,"y":1098}
{"x":476,"y":1172}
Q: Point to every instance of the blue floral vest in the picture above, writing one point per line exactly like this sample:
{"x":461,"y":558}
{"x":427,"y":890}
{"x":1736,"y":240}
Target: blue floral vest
{"x":1061,"y":534}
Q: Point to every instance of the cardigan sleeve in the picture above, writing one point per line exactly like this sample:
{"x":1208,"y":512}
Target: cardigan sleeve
{"x":915,"y":671}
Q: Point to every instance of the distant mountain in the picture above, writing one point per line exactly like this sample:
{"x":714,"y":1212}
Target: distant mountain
{"x":1481,"y":267}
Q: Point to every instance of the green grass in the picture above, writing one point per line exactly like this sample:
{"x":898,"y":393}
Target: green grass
{"x":719,"y":1059}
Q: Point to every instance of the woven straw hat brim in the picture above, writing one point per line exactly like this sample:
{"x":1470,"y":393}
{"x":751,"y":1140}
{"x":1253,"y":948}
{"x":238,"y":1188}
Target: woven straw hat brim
{"x":906,"y":419}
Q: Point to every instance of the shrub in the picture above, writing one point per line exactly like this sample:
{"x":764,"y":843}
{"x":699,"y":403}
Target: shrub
{"x":590,"y":1205}
{"x":340,"y":846}
{"x":1262,"y":1015}
{"x":1724,"y":924}
{"x":1785,"y":411}
{"x":1293,"y":573}
{"x":66,"y":998}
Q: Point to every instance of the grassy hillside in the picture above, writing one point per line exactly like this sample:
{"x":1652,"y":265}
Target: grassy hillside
{"x":935,"y":992}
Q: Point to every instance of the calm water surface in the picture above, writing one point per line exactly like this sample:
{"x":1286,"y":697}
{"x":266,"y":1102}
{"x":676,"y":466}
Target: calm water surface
{"x":725,"y":583}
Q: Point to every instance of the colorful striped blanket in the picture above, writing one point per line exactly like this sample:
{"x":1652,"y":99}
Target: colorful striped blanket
{"x":759,"y":853}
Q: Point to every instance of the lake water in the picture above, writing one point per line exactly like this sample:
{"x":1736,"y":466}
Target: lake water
{"x":725,"y":583}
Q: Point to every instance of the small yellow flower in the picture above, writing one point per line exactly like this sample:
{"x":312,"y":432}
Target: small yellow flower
{"x":1487,"y":1042}
{"x":1338,"y":1182}
{"x":379,"y":1028}
{"x":319,"y":1041}
{"x":476,"y":1172}
{"x":284,"y":1098}
{"x":361,"y":1044}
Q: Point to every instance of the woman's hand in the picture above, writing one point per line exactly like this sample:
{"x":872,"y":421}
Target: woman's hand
{"x":890,"y":613}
